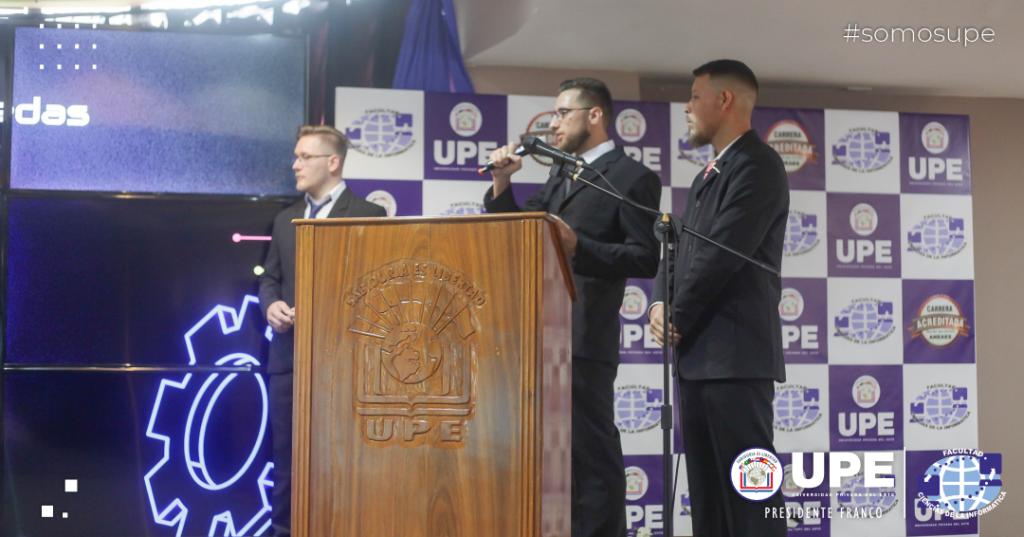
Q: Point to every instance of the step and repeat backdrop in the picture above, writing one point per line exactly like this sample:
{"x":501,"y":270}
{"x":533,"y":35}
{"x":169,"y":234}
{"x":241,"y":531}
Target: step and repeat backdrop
{"x":878,"y":278}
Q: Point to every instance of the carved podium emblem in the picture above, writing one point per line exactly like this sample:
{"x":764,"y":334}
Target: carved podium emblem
{"x":415,"y":358}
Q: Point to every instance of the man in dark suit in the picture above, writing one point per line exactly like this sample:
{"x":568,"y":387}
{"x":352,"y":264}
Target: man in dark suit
{"x":609,"y":242}
{"x":319,"y":158}
{"x":725,"y":318}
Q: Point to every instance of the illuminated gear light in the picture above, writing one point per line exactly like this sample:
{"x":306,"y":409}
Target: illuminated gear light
{"x":169,"y":494}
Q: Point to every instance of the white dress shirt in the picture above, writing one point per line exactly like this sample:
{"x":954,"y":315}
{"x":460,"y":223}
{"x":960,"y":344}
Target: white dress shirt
{"x":334,"y":194}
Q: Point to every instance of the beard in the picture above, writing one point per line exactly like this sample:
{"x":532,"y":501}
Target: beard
{"x":698,"y":138}
{"x":572,"y":141}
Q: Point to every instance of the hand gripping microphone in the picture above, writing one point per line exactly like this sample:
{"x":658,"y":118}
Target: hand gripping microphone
{"x":520,"y":151}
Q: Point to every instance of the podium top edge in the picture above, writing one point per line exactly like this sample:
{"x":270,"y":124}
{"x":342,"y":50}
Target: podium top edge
{"x":448,"y":219}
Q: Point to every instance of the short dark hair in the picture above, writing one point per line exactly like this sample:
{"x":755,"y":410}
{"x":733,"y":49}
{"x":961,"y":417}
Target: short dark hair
{"x":334,"y":138}
{"x":734,"y":69}
{"x":593,"y":93}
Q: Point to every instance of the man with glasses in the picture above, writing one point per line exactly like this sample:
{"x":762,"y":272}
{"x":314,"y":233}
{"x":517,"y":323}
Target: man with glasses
{"x":609,"y":242}
{"x":319,"y":158}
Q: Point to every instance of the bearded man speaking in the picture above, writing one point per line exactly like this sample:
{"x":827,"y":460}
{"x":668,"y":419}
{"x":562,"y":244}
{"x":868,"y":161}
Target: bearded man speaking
{"x":608,"y":242}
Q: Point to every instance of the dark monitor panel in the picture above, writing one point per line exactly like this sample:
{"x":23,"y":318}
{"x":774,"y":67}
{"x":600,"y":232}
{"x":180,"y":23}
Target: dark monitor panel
{"x":126,"y":441}
{"x":104,"y":280}
{"x":109,"y":110}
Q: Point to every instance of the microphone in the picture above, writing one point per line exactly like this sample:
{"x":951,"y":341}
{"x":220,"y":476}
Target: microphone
{"x":520,"y":151}
{"x":536,"y":147}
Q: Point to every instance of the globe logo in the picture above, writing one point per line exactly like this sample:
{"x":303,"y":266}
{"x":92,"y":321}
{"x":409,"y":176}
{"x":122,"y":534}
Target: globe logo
{"x":937,"y":236}
{"x":865,"y":321}
{"x":634,"y":303}
{"x":801,"y":234}
{"x":466,"y":119}
{"x":862,"y":150}
{"x":789,"y":139}
{"x":637,"y":408}
{"x":935,"y":137}
{"x":460,"y":208}
{"x":796,"y":407}
{"x":700,"y":156}
{"x":863,"y":219}
{"x":855,"y":498}
{"x":381,"y":133}
{"x":792,"y":305}
{"x":384,"y":199}
{"x":939,"y":322}
{"x":963,"y":483}
{"x":757,"y":474}
{"x":630,"y":125}
{"x":940,"y":407}
{"x":637,"y":483}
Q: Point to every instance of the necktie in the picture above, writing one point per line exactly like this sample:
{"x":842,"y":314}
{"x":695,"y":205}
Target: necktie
{"x":708,"y":169}
{"x":314,"y":208}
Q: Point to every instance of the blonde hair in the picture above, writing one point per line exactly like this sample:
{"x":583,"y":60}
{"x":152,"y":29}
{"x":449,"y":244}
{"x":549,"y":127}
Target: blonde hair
{"x":333,"y":137}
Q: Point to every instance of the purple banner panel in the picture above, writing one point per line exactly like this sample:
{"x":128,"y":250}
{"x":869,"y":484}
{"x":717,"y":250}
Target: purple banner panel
{"x":642,"y":130}
{"x":679,"y":197}
{"x":864,"y":235}
{"x":806,"y":508}
{"x":524,"y":191}
{"x":644,"y":493}
{"x":866,"y":407}
{"x":936,"y":153}
{"x":461,"y":131}
{"x":938,"y":318}
{"x":400,"y":198}
{"x":798,"y":136}
{"x":804,"y":314}
{"x":922,"y":521}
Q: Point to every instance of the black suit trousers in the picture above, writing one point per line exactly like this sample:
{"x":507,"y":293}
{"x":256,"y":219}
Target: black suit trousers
{"x":598,"y":475}
{"x":719,"y":420}
{"x":281,"y":440}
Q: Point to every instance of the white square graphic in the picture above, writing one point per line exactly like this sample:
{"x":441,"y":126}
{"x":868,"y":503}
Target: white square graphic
{"x":638,"y":399}
{"x":453,"y":197}
{"x":805,"y":251}
{"x":687,"y":161}
{"x":862,"y":151}
{"x":801,"y":409}
{"x":940,"y":406}
{"x":891,"y":523}
{"x":530,"y":116}
{"x":682,"y":511}
{"x":47,"y":511}
{"x":865,"y":321}
{"x":70,"y":485}
{"x":386,"y":131}
{"x":666,"y":201}
{"x":937,"y":237}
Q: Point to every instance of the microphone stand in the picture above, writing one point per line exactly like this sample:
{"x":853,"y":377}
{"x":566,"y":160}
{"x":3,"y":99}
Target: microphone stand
{"x":667,"y":228}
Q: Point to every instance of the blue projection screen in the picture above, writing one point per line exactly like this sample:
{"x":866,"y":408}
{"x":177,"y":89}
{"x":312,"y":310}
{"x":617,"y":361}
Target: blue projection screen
{"x":107,"y":110}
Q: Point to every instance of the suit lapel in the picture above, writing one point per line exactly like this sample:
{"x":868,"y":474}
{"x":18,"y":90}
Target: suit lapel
{"x":743,"y":141}
{"x":341,"y":206}
{"x":601,"y":164}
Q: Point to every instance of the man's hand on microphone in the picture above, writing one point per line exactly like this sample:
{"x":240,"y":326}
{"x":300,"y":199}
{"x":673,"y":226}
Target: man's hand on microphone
{"x":568,"y":236}
{"x":280,"y":316}
{"x":657,"y":317}
{"x":507,"y":163}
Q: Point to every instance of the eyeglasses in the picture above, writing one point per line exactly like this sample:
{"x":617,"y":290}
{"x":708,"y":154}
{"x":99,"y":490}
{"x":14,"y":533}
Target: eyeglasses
{"x":562,"y":112}
{"x":303,"y":158}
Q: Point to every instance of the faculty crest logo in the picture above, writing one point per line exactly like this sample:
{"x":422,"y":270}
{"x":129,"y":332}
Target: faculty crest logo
{"x":859,"y":501}
{"x":801,"y":234}
{"x":415,"y":363}
{"x":865,"y":321}
{"x":935,"y":137}
{"x":866,"y":391}
{"x":631,"y":125}
{"x":796,"y":408}
{"x":863,"y":219}
{"x":962,"y":485}
{"x":381,"y":132}
{"x":791,"y":141}
{"x":940,"y":322}
{"x":466,"y":119}
{"x":863,"y":150}
{"x":757,"y":474}
{"x":384,"y":199}
{"x":637,"y":483}
{"x":937,"y":236}
{"x":792,"y":305}
{"x":940,"y":406}
{"x":634,"y":303}
{"x":638,"y":408}
{"x":540,"y":127}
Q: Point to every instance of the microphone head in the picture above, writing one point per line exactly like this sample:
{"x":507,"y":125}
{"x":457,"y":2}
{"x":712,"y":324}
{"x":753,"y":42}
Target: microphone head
{"x":529,"y":142}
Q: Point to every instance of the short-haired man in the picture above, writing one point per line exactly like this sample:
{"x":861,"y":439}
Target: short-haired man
{"x":725,"y":317}
{"x":609,"y":242}
{"x":319,"y":157}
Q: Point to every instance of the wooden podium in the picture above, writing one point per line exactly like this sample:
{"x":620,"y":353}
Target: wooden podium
{"x":432,"y":378}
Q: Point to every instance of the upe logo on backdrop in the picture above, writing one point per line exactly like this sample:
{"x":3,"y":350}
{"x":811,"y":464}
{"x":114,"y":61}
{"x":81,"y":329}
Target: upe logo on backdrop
{"x":634,"y":303}
{"x":789,"y":139}
{"x":637,"y":483}
{"x":464,"y":207}
{"x":791,"y":307}
{"x":966,"y":483}
{"x":700,"y":156}
{"x":856,"y":500}
{"x":631,"y":126}
{"x":637,"y":408}
{"x":935,"y":139}
{"x":937,"y":236}
{"x":384,"y":199}
{"x":865,"y":321}
{"x":76,"y":115}
{"x":540,"y":127}
{"x":940,"y":406}
{"x":940,"y":322}
{"x":862,"y":150}
{"x":796,"y":407}
{"x":866,"y":393}
{"x":757,"y":474}
{"x":801,"y":234}
{"x":381,"y":132}
{"x":863,"y":222}
{"x":466,"y":119}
